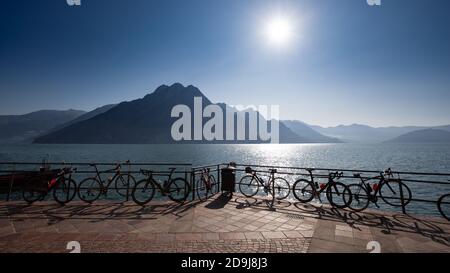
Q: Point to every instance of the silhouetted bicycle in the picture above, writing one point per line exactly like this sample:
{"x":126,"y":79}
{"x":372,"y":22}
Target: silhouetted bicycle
{"x":306,"y":190}
{"x":177,"y":189}
{"x":443,"y":205}
{"x":64,"y":188}
{"x":388,"y":188}
{"x":250,"y":184}
{"x":206,"y":185}
{"x":90,"y":188}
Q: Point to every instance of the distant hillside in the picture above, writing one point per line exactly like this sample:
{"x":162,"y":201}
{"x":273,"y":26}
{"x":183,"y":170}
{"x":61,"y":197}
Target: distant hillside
{"x":86,"y":116}
{"x":365,"y":133}
{"x":304,"y":130}
{"x":423,"y":136}
{"x":23,"y":128}
{"x":145,"y":120}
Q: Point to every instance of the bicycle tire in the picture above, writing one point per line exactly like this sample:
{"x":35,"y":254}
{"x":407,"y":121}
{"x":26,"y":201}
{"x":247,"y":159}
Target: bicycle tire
{"x":344,"y":192}
{"x":252,"y":184}
{"x":65,"y":187}
{"x":89,"y":189}
{"x":31,"y":193}
{"x":282,"y":186}
{"x":214,"y":185}
{"x":148,"y":191}
{"x":407,"y":195}
{"x":439,"y":205}
{"x":174,"y":187}
{"x":202,"y":190}
{"x":122,"y":182}
{"x":359,"y":197}
{"x":300,"y":189}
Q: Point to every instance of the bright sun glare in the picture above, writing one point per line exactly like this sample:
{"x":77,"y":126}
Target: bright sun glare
{"x":279,"y":31}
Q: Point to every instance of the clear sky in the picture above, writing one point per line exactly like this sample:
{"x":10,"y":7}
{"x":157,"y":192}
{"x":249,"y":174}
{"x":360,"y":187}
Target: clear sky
{"x":345,"y":62}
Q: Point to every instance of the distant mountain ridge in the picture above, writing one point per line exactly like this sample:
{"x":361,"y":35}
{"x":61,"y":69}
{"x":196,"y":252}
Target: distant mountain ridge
{"x":145,"y":120}
{"x":365,"y":133}
{"x":304,"y":130}
{"x":423,"y":136}
{"x":24,"y":128}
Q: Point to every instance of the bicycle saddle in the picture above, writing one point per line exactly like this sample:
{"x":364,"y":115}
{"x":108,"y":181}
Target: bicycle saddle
{"x":146,"y":172}
{"x":172,"y":169}
{"x":357,"y":175}
{"x":272,"y":170}
{"x":92,"y":164}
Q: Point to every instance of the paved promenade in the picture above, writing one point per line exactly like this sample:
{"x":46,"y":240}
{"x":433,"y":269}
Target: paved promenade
{"x":221,"y":224}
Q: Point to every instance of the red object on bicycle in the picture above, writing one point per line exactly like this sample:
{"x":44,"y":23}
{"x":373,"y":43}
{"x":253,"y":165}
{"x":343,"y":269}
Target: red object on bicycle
{"x":323,"y":186}
{"x":375,"y":187}
{"x":52,"y":183}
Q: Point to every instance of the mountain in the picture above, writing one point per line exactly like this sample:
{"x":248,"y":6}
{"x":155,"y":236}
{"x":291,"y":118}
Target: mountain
{"x":304,"y":130}
{"x":423,"y":136}
{"x":145,"y":120}
{"x":364,"y":133}
{"x":23,"y":128}
{"x":86,"y":116}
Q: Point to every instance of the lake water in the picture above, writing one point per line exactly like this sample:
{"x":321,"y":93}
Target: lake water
{"x":399,"y":157}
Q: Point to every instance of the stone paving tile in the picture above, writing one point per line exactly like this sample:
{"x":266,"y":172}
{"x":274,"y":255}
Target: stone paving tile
{"x":165,"y":227}
{"x":273,"y":235}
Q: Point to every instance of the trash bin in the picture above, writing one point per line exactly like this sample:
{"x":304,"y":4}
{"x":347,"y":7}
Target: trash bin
{"x":228,"y":178}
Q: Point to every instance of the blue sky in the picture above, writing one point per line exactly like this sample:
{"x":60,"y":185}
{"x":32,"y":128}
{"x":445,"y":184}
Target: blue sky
{"x":348,"y":62}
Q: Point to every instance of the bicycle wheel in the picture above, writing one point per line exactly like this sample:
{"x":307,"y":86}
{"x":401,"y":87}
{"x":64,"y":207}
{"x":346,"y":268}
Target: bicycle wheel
{"x":443,"y":205}
{"x":65,"y":191}
{"x":390,"y":193}
{"x":89,"y":189}
{"x":34,"y":191}
{"x":281,"y":187}
{"x":143,"y":192}
{"x":178,"y":189}
{"x":304,"y":190}
{"x":338,"y":195}
{"x":124,"y":184}
{"x":249,"y":185}
{"x":214,"y":185}
{"x":203,"y":192}
{"x":359,"y":197}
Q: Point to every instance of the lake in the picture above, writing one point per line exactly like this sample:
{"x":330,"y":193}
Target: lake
{"x":399,"y":157}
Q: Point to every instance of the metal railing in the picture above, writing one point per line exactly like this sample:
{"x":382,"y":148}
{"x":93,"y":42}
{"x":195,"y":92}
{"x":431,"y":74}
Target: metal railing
{"x":426,"y":188}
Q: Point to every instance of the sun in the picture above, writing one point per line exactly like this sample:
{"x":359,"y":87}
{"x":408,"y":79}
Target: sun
{"x":279,"y":31}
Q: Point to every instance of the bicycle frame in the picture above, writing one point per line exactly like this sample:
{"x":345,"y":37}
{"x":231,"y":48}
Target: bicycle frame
{"x":205,"y":178}
{"x":110,"y":180}
{"x":162,"y":186}
{"x":330,"y":183}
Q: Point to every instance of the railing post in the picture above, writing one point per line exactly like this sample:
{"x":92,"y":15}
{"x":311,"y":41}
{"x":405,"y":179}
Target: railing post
{"x":193,"y":184}
{"x":402,"y":198}
{"x":219,"y":181}
{"x":128,"y":182}
{"x":11,"y":183}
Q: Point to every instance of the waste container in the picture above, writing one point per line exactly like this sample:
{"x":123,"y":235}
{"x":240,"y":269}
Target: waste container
{"x":228,"y":178}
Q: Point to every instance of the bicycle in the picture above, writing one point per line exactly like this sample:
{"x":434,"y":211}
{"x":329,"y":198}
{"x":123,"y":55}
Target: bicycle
{"x":388,"y":188}
{"x":64,"y":188}
{"x":206,"y":185}
{"x":176,"y":189}
{"x":306,"y":190}
{"x":91,"y":188}
{"x":445,"y":211}
{"x":250,"y":184}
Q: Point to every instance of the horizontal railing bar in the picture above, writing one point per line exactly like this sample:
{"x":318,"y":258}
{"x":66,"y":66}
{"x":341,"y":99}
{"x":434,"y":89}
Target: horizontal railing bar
{"x":98,"y":164}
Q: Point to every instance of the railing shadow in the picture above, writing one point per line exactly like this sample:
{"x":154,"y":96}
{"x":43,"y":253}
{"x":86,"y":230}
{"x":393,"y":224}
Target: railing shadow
{"x":435,"y":229}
